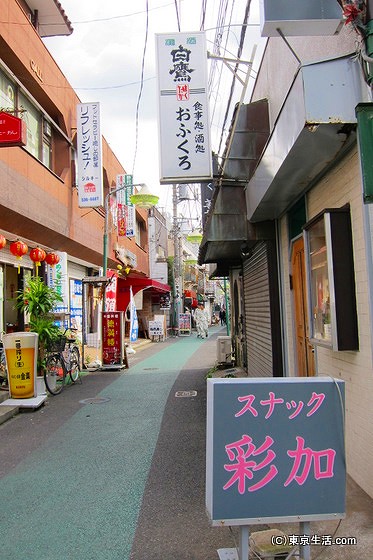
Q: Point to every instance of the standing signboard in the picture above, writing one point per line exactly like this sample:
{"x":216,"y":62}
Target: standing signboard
{"x":113,"y":349}
{"x":156,"y":329}
{"x":275,"y":450}
{"x":21,"y":351}
{"x":185,"y":324}
{"x":184,"y":129}
{"x":89,"y":149}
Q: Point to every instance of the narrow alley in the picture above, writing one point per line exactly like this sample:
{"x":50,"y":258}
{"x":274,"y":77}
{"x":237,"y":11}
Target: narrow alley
{"x":114,"y":468}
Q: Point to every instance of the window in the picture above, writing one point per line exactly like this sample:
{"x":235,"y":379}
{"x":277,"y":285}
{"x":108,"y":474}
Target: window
{"x":331,"y":280}
{"x":140,"y":232}
{"x":39,"y":132}
{"x":7,"y":94}
{"x":33,"y":120}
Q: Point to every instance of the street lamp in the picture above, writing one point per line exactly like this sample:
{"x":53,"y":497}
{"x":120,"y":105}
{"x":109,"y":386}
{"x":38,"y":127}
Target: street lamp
{"x":195,"y":236}
{"x":106,"y":224}
{"x":145,"y":198}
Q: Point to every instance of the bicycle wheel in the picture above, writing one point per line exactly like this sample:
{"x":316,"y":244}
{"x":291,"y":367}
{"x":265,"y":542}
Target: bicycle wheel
{"x":75,"y":355}
{"x":54,"y":374}
{"x":74,"y":371}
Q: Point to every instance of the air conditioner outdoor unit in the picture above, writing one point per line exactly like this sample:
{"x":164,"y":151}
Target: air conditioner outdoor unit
{"x":223,"y":349}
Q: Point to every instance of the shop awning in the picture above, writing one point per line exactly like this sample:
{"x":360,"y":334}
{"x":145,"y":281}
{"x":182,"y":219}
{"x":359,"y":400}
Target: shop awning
{"x":316,"y":127}
{"x":226,"y":227}
{"x":137,"y":284}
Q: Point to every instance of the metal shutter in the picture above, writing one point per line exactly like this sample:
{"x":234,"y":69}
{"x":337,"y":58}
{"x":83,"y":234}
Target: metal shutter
{"x":258,"y":313}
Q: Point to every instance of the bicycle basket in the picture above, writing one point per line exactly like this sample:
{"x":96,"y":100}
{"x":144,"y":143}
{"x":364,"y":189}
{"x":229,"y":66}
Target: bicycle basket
{"x":58,"y":344}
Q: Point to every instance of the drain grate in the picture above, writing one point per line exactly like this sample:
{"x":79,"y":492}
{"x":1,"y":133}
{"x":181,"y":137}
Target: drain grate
{"x":227,"y":554}
{"x":95,"y":400}
{"x":186,"y":394}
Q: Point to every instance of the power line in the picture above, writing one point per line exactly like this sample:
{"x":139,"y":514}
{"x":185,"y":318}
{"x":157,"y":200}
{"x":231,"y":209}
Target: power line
{"x":141,"y":86}
{"x":122,"y":16}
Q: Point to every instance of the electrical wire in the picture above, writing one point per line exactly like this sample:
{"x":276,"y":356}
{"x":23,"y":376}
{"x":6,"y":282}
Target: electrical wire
{"x":239,"y":53}
{"x":141,"y":87}
{"x":122,"y":16}
{"x":177,"y":15}
{"x":203,"y":14}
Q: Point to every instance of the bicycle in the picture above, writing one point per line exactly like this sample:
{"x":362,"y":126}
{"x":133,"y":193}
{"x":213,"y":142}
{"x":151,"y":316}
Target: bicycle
{"x":63,"y":360}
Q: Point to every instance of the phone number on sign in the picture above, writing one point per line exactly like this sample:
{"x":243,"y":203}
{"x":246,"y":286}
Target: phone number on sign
{"x":323,"y":540}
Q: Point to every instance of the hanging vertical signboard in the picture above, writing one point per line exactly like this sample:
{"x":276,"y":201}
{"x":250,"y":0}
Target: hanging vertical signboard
{"x":126,"y":216}
{"x":90,"y":183}
{"x":275,"y":450}
{"x":130,"y":208}
{"x":184,"y":129}
{"x":121,"y":206}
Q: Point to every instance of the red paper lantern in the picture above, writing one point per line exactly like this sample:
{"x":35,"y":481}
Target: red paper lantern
{"x":37,"y":255}
{"x":2,"y":242}
{"x":52,"y":259}
{"x":18,"y":249}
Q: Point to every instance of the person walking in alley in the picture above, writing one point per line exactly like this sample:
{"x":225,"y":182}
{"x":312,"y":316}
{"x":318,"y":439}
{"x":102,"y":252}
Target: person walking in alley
{"x":222,"y":316}
{"x":202,"y":322}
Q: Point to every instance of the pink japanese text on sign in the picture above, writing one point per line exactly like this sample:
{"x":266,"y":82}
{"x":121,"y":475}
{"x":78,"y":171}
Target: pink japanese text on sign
{"x":275,"y":450}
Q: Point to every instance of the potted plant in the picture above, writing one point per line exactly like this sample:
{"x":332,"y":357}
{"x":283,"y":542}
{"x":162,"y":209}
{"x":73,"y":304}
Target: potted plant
{"x":39,"y":300}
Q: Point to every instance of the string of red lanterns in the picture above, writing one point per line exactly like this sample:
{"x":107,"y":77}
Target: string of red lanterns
{"x":37,"y":255}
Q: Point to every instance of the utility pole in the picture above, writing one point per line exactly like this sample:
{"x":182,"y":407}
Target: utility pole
{"x":177,"y":274}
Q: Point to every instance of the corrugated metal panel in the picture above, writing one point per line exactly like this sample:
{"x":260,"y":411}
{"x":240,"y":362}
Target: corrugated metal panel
{"x":76,"y":271}
{"x":258,"y":314}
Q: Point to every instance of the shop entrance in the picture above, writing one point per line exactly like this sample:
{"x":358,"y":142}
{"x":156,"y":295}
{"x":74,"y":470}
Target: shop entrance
{"x":304,"y":349}
{"x":11,"y":282}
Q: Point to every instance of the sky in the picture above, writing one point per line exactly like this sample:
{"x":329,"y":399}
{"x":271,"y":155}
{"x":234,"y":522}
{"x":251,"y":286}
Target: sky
{"x":110,"y":58}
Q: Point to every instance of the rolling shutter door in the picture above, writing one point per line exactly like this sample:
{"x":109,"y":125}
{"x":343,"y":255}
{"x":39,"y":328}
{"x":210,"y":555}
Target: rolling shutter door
{"x":258,"y":313}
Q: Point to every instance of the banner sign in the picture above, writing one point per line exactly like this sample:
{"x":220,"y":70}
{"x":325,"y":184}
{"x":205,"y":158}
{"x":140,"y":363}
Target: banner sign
{"x":275,"y":450}
{"x":57,"y":278}
{"x":111,"y":291}
{"x":134,"y":324}
{"x":13,"y":131}
{"x":90,"y":182}
{"x":76,"y":303}
{"x":184,"y":128}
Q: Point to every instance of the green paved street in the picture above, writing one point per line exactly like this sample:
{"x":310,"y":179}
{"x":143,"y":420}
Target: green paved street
{"x":78,"y":496}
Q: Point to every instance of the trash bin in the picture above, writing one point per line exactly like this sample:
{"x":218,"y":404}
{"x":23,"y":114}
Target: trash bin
{"x":21,"y":351}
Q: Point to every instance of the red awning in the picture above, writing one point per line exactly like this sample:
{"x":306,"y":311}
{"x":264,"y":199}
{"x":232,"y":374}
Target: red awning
{"x":137,"y":284}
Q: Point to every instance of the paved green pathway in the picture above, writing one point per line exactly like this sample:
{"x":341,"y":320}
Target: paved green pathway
{"x":78,"y":496}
